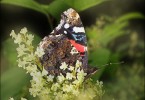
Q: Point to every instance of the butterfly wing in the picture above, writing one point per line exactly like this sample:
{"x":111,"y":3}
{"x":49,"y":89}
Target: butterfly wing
{"x":66,"y":43}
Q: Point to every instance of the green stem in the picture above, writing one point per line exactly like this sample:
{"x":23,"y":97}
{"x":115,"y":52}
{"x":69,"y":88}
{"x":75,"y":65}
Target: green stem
{"x":49,"y":21}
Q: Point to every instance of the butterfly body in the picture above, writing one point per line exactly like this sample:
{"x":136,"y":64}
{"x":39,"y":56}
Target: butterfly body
{"x":66,"y":43}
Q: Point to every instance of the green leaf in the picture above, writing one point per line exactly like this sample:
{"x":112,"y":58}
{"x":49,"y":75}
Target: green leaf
{"x":81,"y":5}
{"x":9,"y":54}
{"x":112,"y":68}
{"x":129,"y":16}
{"x":56,"y":8}
{"x":112,"y":31}
{"x":12,"y":82}
{"x":97,"y":58}
{"x":91,"y":33}
{"x":31,"y":4}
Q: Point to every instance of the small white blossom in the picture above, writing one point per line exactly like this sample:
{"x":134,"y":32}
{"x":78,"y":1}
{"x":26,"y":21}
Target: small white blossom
{"x":71,"y":68}
{"x":50,"y":78}
{"x":63,"y":66}
{"x":76,"y":82}
{"x":31,"y":68}
{"x":22,"y":63}
{"x":61,"y":78}
{"x":81,"y":75}
{"x":24,"y":30}
{"x":30,"y":39}
{"x":45,"y":91}
{"x":37,"y":77}
{"x":13,"y":34}
{"x":18,"y":39}
{"x":68,"y":88}
{"x":30,"y":57}
{"x":39,"y":52}
{"x":33,"y":92}
{"x":55,"y":86}
{"x":58,"y":96}
{"x":69,"y":76}
{"x":21,"y":50}
{"x":44,"y":72}
{"x":78,"y":64}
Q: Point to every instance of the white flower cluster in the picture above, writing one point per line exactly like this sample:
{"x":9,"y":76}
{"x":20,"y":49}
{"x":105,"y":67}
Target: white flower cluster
{"x":28,"y":59}
{"x":49,"y":87}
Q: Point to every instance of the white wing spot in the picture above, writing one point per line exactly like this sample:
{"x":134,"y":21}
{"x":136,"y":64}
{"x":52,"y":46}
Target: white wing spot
{"x":58,"y":35}
{"x":74,"y":51}
{"x":78,"y":29}
{"x":65,"y":32}
{"x":66,"y":26}
{"x":86,"y":49}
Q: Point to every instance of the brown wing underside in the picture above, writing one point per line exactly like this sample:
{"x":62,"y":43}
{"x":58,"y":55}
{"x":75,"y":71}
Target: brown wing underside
{"x":57,"y":50}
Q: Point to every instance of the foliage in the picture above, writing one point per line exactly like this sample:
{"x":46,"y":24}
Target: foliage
{"x":129,"y":84}
{"x":56,"y":7}
{"x":102,"y":34}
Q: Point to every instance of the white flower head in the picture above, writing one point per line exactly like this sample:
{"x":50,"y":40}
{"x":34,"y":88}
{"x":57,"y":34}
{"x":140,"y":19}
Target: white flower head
{"x":31,"y":68}
{"x":50,"y":78}
{"x":13,"y":34}
{"x":21,"y":50}
{"x":24,"y":30}
{"x":18,"y":39}
{"x":55,"y":86}
{"x":71,"y":68}
{"x":81,"y":75}
{"x":44,"y":72}
{"x":30,"y":38}
{"x":22,"y":63}
{"x":30,"y":57}
{"x":63,"y":66}
{"x":39,"y":52}
{"x":60,"y":78}
{"x":68,"y":88}
{"x":78,"y":64}
{"x":69,"y":76}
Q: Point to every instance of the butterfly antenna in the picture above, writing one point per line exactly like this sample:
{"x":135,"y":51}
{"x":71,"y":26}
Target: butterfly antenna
{"x":113,"y":63}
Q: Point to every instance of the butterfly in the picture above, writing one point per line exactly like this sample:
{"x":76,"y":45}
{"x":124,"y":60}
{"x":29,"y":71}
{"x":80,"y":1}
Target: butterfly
{"x":66,"y":43}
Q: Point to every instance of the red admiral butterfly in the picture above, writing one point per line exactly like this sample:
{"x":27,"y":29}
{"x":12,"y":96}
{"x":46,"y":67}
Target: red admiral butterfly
{"x":66,"y":43}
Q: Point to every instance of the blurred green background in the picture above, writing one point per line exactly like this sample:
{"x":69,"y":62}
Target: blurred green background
{"x":115,"y":32}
